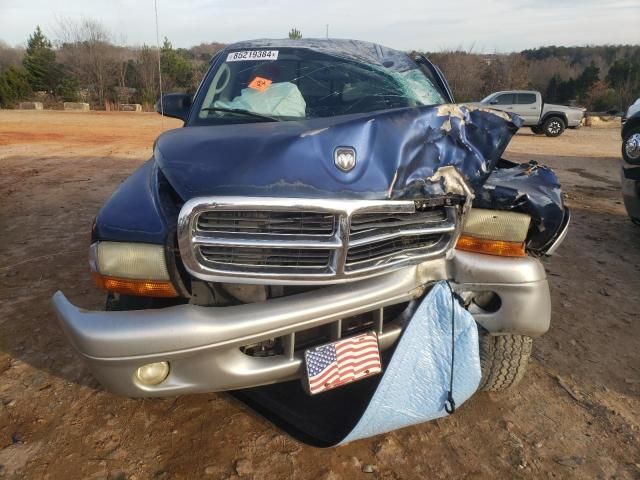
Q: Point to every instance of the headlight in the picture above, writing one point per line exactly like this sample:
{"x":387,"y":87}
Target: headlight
{"x":131,"y":268}
{"x":494,"y":232}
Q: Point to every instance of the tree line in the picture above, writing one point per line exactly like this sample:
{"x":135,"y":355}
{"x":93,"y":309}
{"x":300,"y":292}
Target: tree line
{"x":86,"y":63}
{"x":600,"y":78}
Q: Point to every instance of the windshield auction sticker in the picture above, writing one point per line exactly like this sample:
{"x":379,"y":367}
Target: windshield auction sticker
{"x":252,"y":55}
{"x":260,"y":84}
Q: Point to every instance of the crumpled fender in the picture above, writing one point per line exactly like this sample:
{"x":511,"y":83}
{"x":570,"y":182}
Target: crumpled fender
{"x":530,"y":188}
{"x":134,"y":212}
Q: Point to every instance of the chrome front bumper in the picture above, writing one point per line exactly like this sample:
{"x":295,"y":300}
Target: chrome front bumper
{"x":202,"y":344}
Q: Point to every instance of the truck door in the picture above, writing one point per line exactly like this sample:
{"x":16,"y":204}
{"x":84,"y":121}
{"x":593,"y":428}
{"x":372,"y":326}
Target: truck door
{"x":526,"y":107}
{"x":504,"y":101}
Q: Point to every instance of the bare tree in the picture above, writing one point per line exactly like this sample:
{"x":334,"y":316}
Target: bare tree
{"x":205,"y":51}
{"x":541,"y":72}
{"x":10,"y":56}
{"x":518,"y":71}
{"x":147,"y":70}
{"x":86,"y":48}
{"x":463,"y":71}
{"x":505,"y":72}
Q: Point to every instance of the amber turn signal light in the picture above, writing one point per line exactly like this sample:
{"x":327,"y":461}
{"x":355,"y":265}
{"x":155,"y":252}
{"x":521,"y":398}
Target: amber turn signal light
{"x":490,"y":247}
{"x":141,"y":288}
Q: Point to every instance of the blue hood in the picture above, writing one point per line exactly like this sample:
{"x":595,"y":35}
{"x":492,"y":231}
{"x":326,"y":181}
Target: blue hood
{"x":397,"y":152}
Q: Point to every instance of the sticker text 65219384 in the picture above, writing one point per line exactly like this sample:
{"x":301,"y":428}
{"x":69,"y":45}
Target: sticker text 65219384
{"x":252,"y":55}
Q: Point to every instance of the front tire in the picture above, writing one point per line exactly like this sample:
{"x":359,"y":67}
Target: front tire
{"x":503,"y":360}
{"x":553,"y":127}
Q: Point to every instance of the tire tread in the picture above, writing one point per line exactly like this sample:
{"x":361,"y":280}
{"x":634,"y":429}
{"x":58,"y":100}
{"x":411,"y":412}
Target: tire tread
{"x":503,"y":360}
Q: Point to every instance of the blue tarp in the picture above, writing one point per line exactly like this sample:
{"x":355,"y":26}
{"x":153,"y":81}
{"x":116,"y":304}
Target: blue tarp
{"x":416,"y":382}
{"x":412,"y":389}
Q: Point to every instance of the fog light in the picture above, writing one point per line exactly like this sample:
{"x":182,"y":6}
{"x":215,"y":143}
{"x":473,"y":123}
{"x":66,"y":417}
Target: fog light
{"x":153,"y":373}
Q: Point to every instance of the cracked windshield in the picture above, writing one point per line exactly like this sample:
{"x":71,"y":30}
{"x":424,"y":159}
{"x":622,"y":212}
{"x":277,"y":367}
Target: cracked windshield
{"x":289,"y":84}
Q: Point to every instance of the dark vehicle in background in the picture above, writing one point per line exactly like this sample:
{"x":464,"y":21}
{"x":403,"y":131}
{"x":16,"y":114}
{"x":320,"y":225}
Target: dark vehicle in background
{"x":318,"y":190}
{"x":631,"y":162}
{"x":542,"y":117}
{"x":631,"y":111}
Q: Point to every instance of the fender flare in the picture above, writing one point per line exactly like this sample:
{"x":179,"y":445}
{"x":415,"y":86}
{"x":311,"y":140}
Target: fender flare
{"x":554,"y":113}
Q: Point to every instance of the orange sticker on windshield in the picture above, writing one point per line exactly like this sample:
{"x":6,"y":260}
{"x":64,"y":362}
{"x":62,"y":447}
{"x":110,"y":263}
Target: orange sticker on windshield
{"x":260,"y":84}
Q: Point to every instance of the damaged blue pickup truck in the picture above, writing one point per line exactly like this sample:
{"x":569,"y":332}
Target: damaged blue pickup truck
{"x":318,"y":191}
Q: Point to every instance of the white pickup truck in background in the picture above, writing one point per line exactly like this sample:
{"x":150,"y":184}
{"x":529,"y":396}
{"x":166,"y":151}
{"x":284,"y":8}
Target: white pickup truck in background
{"x":541,"y":117}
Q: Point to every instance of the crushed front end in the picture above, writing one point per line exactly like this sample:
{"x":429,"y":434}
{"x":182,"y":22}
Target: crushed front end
{"x":237,"y":248}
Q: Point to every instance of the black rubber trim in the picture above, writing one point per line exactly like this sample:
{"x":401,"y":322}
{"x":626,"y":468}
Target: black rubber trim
{"x":565,"y":220}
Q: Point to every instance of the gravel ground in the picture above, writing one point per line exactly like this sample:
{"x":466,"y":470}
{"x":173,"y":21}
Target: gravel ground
{"x":576,"y":414}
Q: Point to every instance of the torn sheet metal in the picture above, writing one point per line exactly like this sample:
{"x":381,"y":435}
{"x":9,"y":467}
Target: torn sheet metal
{"x":530,"y":188}
{"x":397,"y":152}
{"x":401,"y":154}
{"x":413,"y":388}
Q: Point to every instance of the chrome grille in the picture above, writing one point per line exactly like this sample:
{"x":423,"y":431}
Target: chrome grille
{"x":382,"y":249}
{"x":265,"y":222}
{"x":363,"y":224}
{"x":298,"y":258}
{"x":308,"y":241}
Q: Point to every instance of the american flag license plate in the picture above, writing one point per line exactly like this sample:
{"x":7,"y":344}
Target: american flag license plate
{"x":341,"y":362}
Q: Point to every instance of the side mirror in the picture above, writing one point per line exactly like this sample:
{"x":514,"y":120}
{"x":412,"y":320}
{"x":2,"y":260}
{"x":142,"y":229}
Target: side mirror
{"x":493,"y":102}
{"x":176,"y":105}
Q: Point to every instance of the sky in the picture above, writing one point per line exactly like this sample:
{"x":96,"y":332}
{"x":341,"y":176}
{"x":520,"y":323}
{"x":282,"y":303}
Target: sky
{"x":479,"y":25}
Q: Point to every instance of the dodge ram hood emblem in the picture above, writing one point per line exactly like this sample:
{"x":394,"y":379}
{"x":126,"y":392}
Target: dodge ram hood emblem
{"x":345,"y":158}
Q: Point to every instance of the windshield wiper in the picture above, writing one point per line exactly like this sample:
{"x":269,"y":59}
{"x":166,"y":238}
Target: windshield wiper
{"x":240,"y":111}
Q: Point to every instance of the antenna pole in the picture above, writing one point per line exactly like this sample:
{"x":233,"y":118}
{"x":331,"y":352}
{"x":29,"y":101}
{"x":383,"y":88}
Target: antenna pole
{"x":327,"y":30}
{"x":155,"y":5}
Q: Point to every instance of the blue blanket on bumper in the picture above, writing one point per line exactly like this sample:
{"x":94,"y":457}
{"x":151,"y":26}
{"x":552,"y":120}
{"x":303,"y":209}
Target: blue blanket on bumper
{"x":416,"y":382}
{"x":412,"y":389}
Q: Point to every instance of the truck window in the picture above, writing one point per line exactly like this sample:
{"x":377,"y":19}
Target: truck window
{"x":504,"y":99}
{"x":526,"y":98}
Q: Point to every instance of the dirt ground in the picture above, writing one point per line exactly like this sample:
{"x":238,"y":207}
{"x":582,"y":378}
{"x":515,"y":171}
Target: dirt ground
{"x":576,"y":415}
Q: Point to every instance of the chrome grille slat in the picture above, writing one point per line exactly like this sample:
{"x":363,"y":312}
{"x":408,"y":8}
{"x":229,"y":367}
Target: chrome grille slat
{"x":368,"y":221}
{"x":382,"y":249}
{"x":266,"y":222}
{"x":259,"y":241}
{"x":309,"y":241}
{"x":267,"y":256}
{"x":374,"y":236}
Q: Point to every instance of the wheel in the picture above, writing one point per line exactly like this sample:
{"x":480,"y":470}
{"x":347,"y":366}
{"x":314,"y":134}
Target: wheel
{"x":537,"y":129}
{"x":631,"y":146}
{"x":631,"y":154}
{"x":553,"y":126}
{"x":503,"y":360}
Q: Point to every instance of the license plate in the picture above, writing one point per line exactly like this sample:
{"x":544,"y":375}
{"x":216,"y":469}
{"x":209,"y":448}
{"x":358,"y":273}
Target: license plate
{"x":341,"y":362}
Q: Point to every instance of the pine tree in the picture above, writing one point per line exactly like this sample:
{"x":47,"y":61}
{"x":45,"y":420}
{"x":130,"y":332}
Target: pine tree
{"x":176,"y":69}
{"x":40,"y":62}
{"x":14,"y":86}
{"x":294,"y":34}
